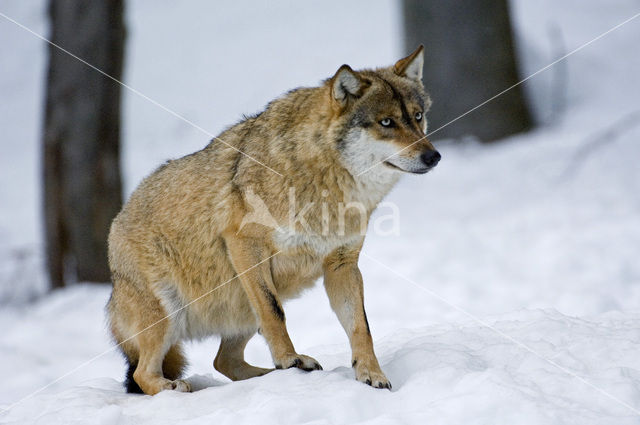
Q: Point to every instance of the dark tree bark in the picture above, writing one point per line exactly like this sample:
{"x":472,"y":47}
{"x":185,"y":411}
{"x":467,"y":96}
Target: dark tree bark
{"x":469,"y":58}
{"x":82,"y":186}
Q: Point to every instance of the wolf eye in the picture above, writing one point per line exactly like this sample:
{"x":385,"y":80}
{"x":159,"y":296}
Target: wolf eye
{"x":418,"y":116}
{"x":387,"y":122}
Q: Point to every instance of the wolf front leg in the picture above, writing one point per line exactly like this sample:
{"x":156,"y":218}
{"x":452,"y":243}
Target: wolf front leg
{"x":343,"y":283}
{"x":248,"y":258}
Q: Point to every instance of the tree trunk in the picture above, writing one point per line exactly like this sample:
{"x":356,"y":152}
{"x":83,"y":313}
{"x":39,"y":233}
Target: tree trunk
{"x":82,"y":186}
{"x":469,"y":58}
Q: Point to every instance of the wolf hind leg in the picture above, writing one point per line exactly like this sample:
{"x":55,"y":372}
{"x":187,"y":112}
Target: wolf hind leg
{"x":174,"y":362}
{"x":172,"y":366}
{"x":230,"y":359}
{"x":146,"y":337}
{"x":157,"y":358}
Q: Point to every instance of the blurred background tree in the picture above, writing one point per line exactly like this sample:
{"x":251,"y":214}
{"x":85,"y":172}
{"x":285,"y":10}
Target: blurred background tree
{"x":469,"y":58}
{"x":81,"y":141}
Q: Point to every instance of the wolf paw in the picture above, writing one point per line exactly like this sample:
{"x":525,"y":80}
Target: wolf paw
{"x":372,"y":376}
{"x":153,"y":384}
{"x":180,"y":385}
{"x":300,"y":361}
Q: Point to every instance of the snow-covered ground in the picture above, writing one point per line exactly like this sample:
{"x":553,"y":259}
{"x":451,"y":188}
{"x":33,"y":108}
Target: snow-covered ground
{"x":509,"y":296}
{"x":458,"y":372}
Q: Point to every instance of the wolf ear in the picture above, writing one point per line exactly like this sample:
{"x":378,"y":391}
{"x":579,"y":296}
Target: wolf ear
{"x":411,"y":66}
{"x":346,"y":82}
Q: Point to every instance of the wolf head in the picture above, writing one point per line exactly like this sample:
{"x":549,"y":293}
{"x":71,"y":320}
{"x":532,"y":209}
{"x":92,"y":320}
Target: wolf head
{"x":382,"y":117}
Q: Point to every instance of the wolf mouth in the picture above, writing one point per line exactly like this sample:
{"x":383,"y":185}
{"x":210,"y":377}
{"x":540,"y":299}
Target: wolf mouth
{"x":395,"y":167}
{"x":390,"y":165}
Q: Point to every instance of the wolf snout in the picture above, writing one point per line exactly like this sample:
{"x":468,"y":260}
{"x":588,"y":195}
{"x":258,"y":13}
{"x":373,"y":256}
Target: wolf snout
{"x":430,"y":158}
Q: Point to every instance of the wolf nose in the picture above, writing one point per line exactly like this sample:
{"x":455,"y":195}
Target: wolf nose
{"x":430,"y":158}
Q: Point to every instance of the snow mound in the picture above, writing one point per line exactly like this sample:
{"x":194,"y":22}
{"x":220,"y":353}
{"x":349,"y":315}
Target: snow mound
{"x":573,"y":370}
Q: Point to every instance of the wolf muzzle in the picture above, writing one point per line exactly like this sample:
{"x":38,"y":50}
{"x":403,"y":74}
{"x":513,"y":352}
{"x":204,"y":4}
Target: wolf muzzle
{"x":430,"y":158}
